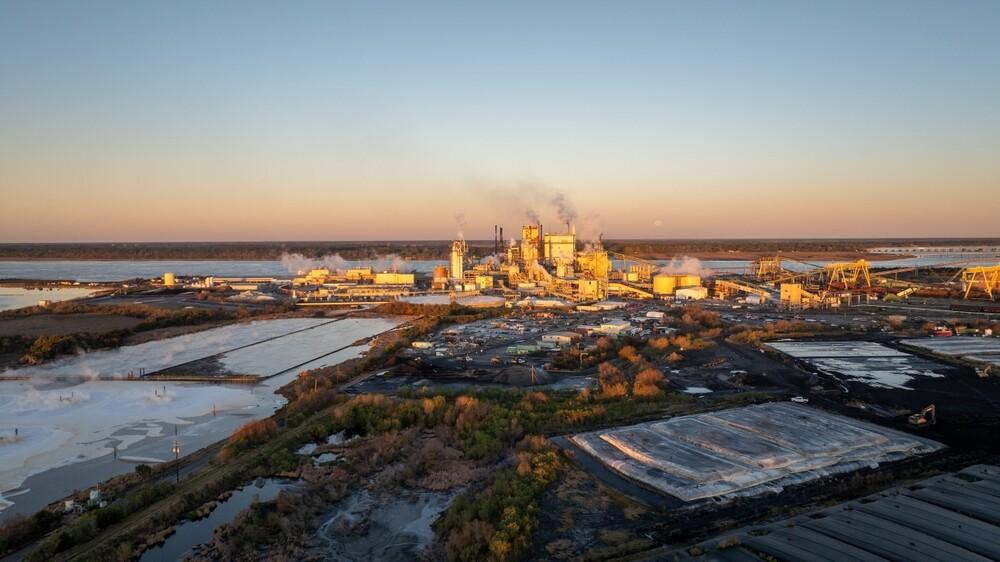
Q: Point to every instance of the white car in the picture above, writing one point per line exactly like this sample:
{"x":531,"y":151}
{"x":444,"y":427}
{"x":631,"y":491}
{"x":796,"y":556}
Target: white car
{"x":800,"y":399}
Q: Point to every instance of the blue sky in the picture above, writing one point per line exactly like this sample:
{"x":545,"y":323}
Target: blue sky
{"x":212,"y":120}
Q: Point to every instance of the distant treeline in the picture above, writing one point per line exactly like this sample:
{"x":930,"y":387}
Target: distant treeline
{"x":438,"y":249}
{"x":667,"y":248}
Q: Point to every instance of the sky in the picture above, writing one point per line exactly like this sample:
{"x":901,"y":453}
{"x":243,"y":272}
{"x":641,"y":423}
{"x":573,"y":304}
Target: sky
{"x":204,"y":120}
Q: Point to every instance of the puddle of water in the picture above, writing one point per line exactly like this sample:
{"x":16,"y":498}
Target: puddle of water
{"x":325,"y":458}
{"x":697,"y":390}
{"x":381,"y":527}
{"x":192,"y":533}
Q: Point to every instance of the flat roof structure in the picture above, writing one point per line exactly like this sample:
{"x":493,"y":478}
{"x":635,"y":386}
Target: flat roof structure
{"x":860,"y":361}
{"x":980,"y":350}
{"x":746,"y":451}
{"x":950,"y":517}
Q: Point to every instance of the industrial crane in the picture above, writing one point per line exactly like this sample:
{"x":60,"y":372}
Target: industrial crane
{"x":768,"y":268}
{"x":847,"y":274}
{"x":988,"y":277}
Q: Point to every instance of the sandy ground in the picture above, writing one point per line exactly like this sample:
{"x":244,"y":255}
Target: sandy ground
{"x":61,"y":324}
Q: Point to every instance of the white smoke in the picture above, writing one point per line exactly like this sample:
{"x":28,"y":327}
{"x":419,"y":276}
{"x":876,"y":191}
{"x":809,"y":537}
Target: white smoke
{"x":390,"y":262}
{"x":686,"y":265}
{"x":34,"y":399}
{"x":460,"y":223}
{"x":589,"y":230}
{"x":527,"y":198}
{"x":299,"y":264}
{"x":492,"y":260}
{"x":565,"y":209}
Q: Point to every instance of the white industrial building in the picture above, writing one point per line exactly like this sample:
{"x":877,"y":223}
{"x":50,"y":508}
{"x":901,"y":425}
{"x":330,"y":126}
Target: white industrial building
{"x":615,"y":328}
{"x":561,"y":338}
{"x":691,"y":294}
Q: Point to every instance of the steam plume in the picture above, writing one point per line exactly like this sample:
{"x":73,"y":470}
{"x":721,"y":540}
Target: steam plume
{"x":686,"y":265}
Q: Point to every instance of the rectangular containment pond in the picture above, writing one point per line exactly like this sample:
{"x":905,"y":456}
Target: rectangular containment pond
{"x":75,"y":417}
{"x":860,"y":361}
{"x":746,"y":451}
{"x":980,"y":350}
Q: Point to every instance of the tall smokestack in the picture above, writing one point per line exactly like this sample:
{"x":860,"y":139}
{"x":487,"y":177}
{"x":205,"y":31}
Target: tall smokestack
{"x":541,"y":243}
{"x":501,"y":237}
{"x":495,"y":247}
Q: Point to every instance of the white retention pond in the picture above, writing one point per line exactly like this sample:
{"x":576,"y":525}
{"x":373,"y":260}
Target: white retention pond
{"x":47,"y":422}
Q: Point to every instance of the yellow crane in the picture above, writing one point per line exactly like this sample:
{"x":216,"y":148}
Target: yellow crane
{"x":985,"y":277}
{"x":848,"y":274}
{"x":767,"y":267}
{"x":770,"y":267}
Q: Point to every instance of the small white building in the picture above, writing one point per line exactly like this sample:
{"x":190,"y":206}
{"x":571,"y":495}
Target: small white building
{"x":691,"y":294}
{"x":655,"y":314}
{"x":615,"y":327}
{"x":561,"y":338}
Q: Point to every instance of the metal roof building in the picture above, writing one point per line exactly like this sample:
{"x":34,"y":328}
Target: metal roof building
{"x":950,"y":517}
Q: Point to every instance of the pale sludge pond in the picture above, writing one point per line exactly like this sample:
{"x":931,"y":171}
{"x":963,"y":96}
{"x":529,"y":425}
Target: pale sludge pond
{"x":66,"y":426}
{"x":20,"y":297}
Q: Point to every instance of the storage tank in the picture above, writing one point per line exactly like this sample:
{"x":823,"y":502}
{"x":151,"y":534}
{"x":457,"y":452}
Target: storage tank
{"x":168,"y":279}
{"x":440,"y":272}
{"x":688,"y":281}
{"x":664,"y":284}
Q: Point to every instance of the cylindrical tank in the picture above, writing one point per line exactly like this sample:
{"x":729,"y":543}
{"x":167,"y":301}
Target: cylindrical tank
{"x":168,"y":279}
{"x":440,"y":272}
{"x":664,"y":284}
{"x":688,"y":281}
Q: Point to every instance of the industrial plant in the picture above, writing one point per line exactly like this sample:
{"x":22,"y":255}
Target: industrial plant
{"x":558,"y":269}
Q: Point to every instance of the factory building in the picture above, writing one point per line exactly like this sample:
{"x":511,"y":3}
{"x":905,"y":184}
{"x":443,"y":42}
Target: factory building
{"x":594,"y":263}
{"x":457,"y":260}
{"x":560,"y":248}
{"x":615,"y":328}
{"x":691,"y":294}
{"x":393,"y":278}
{"x":358,"y":274}
{"x":561,"y":338}
{"x":314,"y":277}
{"x":530,"y":243}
